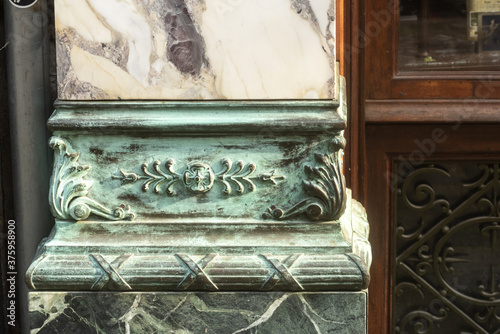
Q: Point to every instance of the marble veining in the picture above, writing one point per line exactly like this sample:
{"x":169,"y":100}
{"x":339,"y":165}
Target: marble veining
{"x":183,"y":313}
{"x":185,"y":47}
{"x":126,"y":18}
{"x":195,"y":49}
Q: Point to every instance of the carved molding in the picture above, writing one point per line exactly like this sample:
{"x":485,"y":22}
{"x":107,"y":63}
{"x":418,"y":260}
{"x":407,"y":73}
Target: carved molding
{"x":199,"y":177}
{"x":282,"y":272}
{"x":68,"y":189}
{"x":325,"y":187}
{"x":198,"y":272}
{"x":195,"y":272}
{"x":110,"y":273}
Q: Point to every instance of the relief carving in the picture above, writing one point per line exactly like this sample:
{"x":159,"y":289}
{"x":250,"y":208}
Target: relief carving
{"x":110,"y":279}
{"x":326,"y":189}
{"x":68,"y":188}
{"x":198,"y":272}
{"x":199,"y":177}
{"x":195,"y":272}
{"x":281,"y":272}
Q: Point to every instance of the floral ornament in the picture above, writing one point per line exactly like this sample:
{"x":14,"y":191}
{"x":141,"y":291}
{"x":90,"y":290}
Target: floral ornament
{"x":198,"y":177}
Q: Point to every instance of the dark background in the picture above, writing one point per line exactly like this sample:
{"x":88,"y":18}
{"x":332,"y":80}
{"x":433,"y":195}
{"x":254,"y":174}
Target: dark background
{"x":6,"y":198}
{"x":25,"y":235}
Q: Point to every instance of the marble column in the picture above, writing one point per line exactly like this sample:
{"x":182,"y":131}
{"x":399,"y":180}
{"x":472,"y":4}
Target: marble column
{"x":197,"y":182}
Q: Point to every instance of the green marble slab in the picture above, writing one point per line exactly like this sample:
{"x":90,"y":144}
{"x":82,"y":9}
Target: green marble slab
{"x":198,"y":312}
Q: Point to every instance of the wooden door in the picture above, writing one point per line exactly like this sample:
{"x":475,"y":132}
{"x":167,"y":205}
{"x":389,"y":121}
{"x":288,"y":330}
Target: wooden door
{"x":423,"y":159}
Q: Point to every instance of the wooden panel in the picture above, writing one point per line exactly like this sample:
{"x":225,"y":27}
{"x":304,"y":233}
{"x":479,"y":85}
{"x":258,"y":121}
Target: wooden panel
{"x":429,"y":89}
{"x":355,"y":129}
{"x":432,"y":111}
{"x":487,"y":89}
{"x":377,"y":205}
{"x":487,"y":75}
{"x":374,"y":39}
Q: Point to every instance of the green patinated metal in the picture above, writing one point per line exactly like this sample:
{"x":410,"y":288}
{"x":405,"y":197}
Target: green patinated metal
{"x":216,"y":196}
{"x":233,"y":209}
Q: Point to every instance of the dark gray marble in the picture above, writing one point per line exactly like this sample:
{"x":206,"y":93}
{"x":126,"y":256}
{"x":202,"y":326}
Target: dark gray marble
{"x":198,"y":312}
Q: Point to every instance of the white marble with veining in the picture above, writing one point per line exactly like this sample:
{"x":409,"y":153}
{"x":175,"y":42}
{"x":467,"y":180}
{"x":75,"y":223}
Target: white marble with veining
{"x":195,"y":49}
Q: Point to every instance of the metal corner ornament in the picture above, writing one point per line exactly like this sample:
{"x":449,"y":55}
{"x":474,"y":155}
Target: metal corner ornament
{"x":326,"y":189}
{"x":68,"y":189}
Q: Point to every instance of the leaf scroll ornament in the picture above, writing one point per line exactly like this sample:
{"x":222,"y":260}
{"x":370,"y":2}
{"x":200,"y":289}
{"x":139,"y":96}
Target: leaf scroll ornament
{"x":326,"y":189}
{"x":199,"y":177}
{"x":68,"y":188}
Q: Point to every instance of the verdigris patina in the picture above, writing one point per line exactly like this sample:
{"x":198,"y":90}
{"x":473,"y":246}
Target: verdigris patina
{"x":206,"y":225}
{"x":259,"y":205}
{"x":218,"y":206}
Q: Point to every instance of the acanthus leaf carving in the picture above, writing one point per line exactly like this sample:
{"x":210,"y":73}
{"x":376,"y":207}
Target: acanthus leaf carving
{"x":68,"y":189}
{"x":326,"y":189}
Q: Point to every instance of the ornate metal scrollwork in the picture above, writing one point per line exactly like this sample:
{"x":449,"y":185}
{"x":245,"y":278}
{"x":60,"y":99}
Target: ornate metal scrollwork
{"x":424,"y":261}
{"x":423,"y":192}
{"x":199,"y":177}
{"x":326,"y":189}
{"x":489,"y":316}
{"x":408,"y":286}
{"x":400,"y":232}
{"x":68,"y":188}
{"x":451,"y":255}
{"x":423,"y":321}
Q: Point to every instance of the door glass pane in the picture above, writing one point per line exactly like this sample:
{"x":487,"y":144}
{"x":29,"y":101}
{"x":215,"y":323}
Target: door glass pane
{"x":449,"y":35}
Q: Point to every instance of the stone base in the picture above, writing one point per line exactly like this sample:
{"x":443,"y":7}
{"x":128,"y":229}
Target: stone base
{"x":198,"y":312}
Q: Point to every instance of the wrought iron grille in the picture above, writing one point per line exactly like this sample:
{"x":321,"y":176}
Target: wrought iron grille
{"x":446,"y":249}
